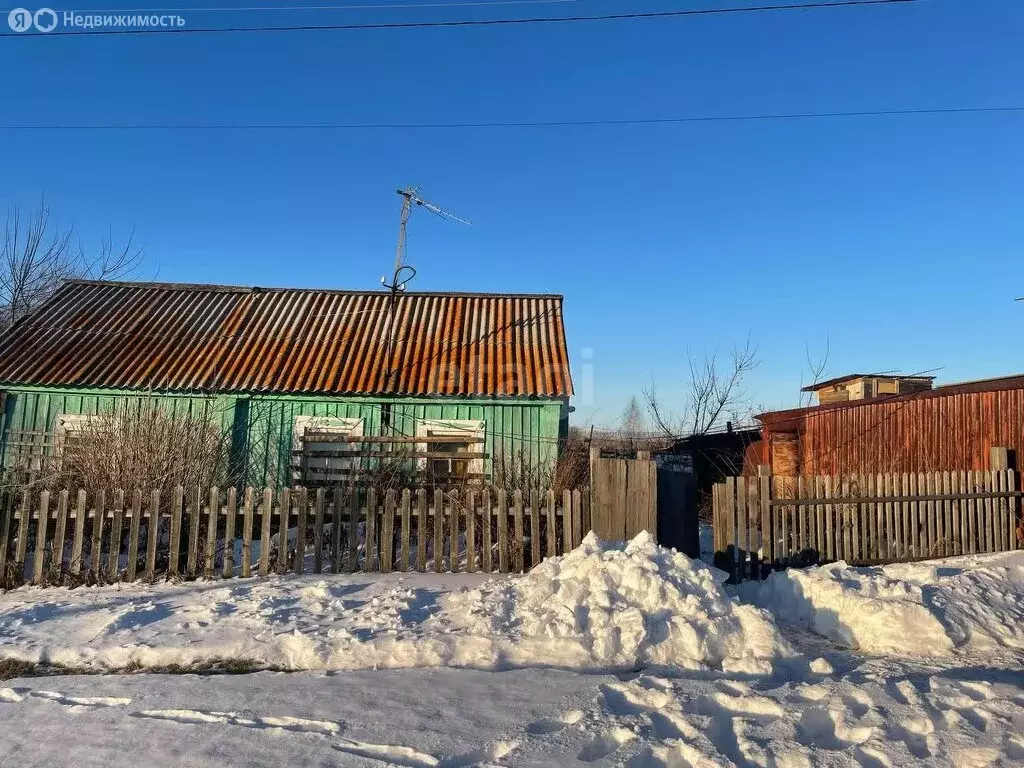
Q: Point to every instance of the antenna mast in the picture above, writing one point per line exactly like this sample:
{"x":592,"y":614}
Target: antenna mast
{"x":410,"y":197}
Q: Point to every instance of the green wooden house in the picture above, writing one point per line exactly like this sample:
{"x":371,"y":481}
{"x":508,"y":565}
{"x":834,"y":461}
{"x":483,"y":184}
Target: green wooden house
{"x":307,"y":385}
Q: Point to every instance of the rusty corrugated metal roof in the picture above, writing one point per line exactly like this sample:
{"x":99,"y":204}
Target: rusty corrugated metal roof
{"x":173,"y":336}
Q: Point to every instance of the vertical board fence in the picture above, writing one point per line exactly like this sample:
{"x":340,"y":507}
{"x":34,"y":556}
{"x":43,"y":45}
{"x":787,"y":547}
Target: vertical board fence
{"x":213,"y":533}
{"x":767,"y":522}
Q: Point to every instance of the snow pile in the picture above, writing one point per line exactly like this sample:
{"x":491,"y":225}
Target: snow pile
{"x":601,"y":607}
{"x":970,"y":604}
{"x":619,"y":605}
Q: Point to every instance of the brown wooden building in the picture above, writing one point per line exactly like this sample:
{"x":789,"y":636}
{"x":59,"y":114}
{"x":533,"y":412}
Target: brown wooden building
{"x":946,"y":428}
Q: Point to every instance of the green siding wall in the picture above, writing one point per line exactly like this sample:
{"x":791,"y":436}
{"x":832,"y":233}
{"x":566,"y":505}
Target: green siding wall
{"x":261,"y":425}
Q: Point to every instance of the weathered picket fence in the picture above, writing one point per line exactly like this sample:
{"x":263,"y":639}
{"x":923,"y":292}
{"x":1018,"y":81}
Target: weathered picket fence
{"x":49,"y":538}
{"x":768,"y":522}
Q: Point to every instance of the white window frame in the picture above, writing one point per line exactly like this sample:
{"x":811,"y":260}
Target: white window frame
{"x":66,"y":423}
{"x":455,"y":428}
{"x":341,"y":425}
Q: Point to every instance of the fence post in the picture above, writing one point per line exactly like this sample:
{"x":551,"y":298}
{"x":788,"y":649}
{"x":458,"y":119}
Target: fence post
{"x":1007,"y":517}
{"x":764,"y":477}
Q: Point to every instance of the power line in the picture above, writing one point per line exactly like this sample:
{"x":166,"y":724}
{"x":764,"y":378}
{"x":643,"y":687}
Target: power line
{"x":466,"y":22}
{"x":512,"y":124}
{"x":389,"y":7}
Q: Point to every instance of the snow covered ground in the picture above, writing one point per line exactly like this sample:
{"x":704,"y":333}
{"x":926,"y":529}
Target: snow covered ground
{"x":613,"y":655}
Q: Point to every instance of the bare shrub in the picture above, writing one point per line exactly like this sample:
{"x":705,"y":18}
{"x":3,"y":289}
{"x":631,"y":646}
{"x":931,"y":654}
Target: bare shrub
{"x":138,"y":443}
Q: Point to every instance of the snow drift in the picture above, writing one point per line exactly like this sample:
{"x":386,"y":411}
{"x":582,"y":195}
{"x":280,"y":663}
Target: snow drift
{"x":969,"y":604}
{"x":614,"y":605}
{"x":603,"y":606}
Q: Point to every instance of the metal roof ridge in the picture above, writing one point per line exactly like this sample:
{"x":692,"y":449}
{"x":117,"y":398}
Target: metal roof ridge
{"x":222,"y":288}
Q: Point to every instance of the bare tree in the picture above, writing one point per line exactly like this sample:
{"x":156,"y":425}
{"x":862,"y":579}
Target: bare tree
{"x":631,"y":426}
{"x":36,"y":255}
{"x":716,"y":393}
{"x":816,"y":368}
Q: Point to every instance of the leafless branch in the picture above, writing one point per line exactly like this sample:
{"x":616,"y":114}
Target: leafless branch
{"x":713,"y":394}
{"x":36,"y":256}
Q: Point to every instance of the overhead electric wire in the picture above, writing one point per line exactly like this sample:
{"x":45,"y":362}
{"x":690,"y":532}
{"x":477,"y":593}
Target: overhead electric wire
{"x":466,"y":22}
{"x":510,"y":124}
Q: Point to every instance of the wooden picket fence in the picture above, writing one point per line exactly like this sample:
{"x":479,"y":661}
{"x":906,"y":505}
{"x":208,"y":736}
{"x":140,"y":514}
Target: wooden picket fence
{"x":767,"y":522}
{"x":68,"y":537}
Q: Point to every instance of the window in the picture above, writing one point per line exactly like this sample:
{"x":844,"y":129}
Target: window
{"x":318,"y":460}
{"x":465,"y":436}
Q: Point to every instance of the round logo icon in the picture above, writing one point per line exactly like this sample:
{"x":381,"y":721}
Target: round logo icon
{"x":20,"y":20}
{"x":45,"y":19}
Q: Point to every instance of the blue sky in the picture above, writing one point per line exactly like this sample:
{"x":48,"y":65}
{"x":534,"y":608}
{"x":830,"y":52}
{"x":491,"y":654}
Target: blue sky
{"x":898,"y":238}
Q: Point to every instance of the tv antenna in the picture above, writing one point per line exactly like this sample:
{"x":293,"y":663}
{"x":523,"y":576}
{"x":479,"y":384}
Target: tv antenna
{"x":404,"y":272}
{"x":410,"y":197}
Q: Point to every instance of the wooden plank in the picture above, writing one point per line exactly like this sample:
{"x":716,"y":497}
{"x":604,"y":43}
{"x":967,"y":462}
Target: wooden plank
{"x":959,"y":515}
{"x":406,"y":529}
{"x":193,"y":534}
{"x":966,"y":520}
{"x":7,"y":505}
{"x":856,"y":530}
{"x":552,"y":539}
{"x":228,"y":559}
{"x":567,"y":542}
{"x":1010,"y":483}
{"x":59,"y":532}
{"x":248,"y":512}
{"x":300,"y":531}
{"x":753,"y":537}
{"x":438,"y":531}
{"x":470,"y":531}
{"x":803,"y":538}
{"x":212,"y":518}
{"x":334,"y":509}
{"x":353,"y":530}
{"x":284,"y":516}
{"x":370,"y":551}
{"x":422,"y":514}
{"x":318,"y":531}
{"x":999,"y":515}
{"x":387,"y":532}
{"x":75,"y":566}
{"x":767,"y":552}
{"x":579,"y":520}
{"x":487,"y":553}
{"x":890,"y":516}
{"x":152,"y":534}
{"x":534,"y":529}
{"x":454,"y":513}
{"x":518,"y":559}
{"x":333,"y":437}
{"x":880,"y":540}
{"x":988,"y":544}
{"x":729,"y":528}
{"x":21,"y":546}
{"x":742,"y":527}
{"x":41,"y":524}
{"x":133,"y":535}
{"x":174,"y":544}
{"x":923,"y":530}
{"x":903,"y":518}
{"x":267,"y":511}
{"x":970,"y":525}
{"x":405,"y":455}
{"x":503,"y":544}
{"x":116,"y":523}
{"x":948,"y":485}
